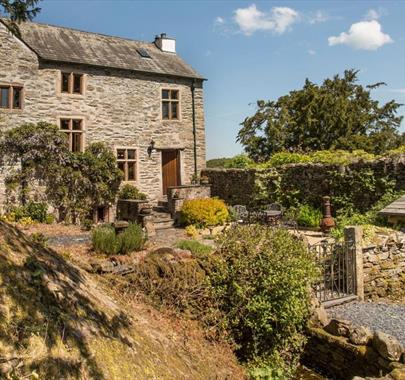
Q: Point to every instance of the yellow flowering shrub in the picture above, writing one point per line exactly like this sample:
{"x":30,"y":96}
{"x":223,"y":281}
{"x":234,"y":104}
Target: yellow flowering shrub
{"x":191,"y":231}
{"x":205,"y":212}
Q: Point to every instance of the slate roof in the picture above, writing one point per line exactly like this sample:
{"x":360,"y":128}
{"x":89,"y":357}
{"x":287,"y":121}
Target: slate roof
{"x":59,"y":44}
{"x":396,"y":208}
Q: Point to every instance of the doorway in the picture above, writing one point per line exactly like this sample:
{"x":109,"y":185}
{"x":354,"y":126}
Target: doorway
{"x":170,"y":169}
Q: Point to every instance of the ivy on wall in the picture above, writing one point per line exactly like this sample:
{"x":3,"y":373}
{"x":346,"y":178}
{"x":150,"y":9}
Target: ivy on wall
{"x":355,"y":187}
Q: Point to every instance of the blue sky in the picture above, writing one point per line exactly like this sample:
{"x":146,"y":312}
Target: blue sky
{"x":251,"y":50}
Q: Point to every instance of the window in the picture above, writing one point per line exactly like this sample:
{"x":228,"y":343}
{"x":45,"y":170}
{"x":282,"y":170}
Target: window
{"x":72,"y":83}
{"x":144,"y":53}
{"x":126,"y":159}
{"x":10,"y":97}
{"x":170,"y":104}
{"x":74,"y":131}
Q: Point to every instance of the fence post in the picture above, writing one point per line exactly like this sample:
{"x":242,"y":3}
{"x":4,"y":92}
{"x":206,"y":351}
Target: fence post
{"x":354,"y":236}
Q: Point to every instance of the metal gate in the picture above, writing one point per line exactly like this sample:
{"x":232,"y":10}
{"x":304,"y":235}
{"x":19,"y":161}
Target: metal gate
{"x":337,"y":263}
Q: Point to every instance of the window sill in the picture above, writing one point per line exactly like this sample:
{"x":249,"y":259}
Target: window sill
{"x":69,"y":95}
{"x":167,"y":121}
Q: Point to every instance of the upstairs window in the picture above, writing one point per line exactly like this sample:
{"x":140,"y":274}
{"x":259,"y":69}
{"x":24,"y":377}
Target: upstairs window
{"x":10,"y":97}
{"x":72,"y":83}
{"x":170,"y":104}
{"x":74,"y":132}
{"x":126,"y":159}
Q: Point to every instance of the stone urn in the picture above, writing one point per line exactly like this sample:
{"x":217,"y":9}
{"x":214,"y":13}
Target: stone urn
{"x":327,"y":222}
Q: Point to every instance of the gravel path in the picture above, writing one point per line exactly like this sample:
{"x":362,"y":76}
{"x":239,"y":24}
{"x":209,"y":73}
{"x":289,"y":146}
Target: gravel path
{"x":385,"y":317}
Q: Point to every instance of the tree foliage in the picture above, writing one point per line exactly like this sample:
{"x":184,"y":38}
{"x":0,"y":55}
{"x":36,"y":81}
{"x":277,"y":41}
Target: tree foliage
{"x":75,"y":183}
{"x":88,"y":180}
{"x":19,"y":11}
{"x":261,"y":283}
{"x":239,"y":161}
{"x":338,"y":114}
{"x":32,"y":150}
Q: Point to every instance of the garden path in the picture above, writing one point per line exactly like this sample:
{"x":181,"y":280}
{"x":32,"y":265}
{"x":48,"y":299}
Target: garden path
{"x":384,"y":316}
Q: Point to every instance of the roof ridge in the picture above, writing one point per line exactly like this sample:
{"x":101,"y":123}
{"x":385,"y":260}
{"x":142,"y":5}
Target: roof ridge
{"x":85,"y":31}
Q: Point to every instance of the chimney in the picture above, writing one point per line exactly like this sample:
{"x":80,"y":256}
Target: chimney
{"x":166,"y":44}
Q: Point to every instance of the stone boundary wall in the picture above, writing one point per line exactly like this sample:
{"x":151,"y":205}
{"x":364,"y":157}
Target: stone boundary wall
{"x":384,"y":270}
{"x":307,"y":183}
{"x":345,"y":351}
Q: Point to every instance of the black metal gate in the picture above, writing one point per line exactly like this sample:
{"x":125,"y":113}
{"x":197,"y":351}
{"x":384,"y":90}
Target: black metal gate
{"x":337,"y":263}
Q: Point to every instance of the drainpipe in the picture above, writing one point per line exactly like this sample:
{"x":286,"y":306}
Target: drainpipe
{"x":194,"y":126}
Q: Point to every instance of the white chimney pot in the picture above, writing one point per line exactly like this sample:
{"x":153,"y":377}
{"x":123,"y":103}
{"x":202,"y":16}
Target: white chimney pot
{"x":166,"y":44}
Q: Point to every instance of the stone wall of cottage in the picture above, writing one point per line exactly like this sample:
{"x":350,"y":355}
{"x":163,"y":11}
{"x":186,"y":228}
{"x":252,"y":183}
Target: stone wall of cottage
{"x":384,"y":269}
{"x":122,"y":109}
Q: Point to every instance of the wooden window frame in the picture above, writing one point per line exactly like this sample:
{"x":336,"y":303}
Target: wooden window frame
{"x":71,"y":76}
{"x":171,"y":101}
{"x":10,"y":99}
{"x":70,"y":131}
{"x":127,"y":161}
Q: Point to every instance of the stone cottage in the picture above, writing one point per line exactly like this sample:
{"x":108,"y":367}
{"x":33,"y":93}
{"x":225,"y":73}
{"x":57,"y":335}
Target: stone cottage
{"x":140,"y":98}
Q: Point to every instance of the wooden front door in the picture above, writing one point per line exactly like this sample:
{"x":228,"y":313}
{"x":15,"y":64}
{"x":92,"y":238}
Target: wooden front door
{"x":170,"y":169}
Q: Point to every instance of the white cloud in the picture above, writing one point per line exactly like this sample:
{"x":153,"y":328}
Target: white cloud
{"x":278,"y":20}
{"x":372,"y":14}
{"x":311,"y":52}
{"x":318,"y":17}
{"x":365,"y":35}
{"x":219,"y":20}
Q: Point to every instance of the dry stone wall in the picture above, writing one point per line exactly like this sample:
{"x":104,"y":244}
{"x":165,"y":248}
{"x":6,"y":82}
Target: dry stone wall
{"x":122,"y":109}
{"x":384,"y":270}
{"x":345,"y":351}
{"x":361,"y":183}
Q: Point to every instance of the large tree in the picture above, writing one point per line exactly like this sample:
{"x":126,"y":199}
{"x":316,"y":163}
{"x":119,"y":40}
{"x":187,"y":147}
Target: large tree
{"x":18,"y":11}
{"x":338,"y":114}
{"x":75,"y":183}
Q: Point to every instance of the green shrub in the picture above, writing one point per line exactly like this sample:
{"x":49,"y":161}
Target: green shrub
{"x":105,"y":240}
{"x":129,"y":191}
{"x":261,"y":283}
{"x":308,"y":216}
{"x":194,"y":246}
{"x":204,"y":212}
{"x":131,"y":239}
{"x":87,"y":224}
{"x":335,"y":157}
{"x":49,"y":219}
{"x":240,"y":161}
{"x":37,"y":211}
{"x":348,"y":217}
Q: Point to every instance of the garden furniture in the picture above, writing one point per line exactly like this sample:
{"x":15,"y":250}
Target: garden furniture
{"x":241,"y":212}
{"x":273,"y":213}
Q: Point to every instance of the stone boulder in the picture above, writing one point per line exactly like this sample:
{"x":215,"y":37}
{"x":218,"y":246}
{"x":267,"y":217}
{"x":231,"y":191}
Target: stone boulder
{"x":398,"y":374}
{"x":387,"y":346}
{"x":339,"y":327}
{"x":360,"y":335}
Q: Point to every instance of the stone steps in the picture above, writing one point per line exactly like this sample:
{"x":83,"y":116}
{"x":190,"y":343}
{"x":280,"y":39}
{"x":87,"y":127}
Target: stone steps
{"x":161,"y":218}
{"x":163,"y":204}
